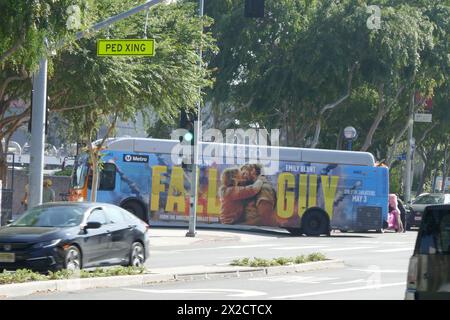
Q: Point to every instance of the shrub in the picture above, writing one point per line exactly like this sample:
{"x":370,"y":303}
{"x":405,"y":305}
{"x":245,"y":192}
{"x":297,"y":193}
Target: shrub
{"x":25,"y":275}
{"x":281,"y":261}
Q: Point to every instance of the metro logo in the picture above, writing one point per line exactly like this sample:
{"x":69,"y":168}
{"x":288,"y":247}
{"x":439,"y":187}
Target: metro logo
{"x":135,"y":158}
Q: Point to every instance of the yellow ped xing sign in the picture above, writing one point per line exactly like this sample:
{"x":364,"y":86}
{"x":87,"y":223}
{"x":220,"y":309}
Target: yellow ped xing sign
{"x":126,"y":47}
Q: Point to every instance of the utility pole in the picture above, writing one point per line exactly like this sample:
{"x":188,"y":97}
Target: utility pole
{"x":40,"y":105}
{"x":409,"y":152}
{"x":444,"y":169}
{"x":38,"y":135}
{"x":197,"y":138}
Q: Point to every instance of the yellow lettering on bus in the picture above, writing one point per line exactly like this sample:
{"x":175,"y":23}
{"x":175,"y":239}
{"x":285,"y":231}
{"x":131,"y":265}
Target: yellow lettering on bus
{"x":176,"y":195}
{"x":302,"y":194}
{"x":286,"y":199}
{"x":312,"y":199}
{"x":213,"y":201}
{"x":157,"y":187}
{"x":329,"y":187}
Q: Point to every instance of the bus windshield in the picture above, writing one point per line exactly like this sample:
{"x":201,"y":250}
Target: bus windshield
{"x":80,"y":171}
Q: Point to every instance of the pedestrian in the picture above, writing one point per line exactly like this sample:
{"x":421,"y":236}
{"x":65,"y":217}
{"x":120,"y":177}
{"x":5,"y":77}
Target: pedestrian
{"x":394,"y":220}
{"x":48,"y":194}
{"x":24,"y":201}
{"x":401,"y":207}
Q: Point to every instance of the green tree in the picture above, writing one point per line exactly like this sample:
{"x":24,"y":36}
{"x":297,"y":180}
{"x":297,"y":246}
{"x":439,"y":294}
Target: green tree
{"x":28,"y":30}
{"x":95,"y":92}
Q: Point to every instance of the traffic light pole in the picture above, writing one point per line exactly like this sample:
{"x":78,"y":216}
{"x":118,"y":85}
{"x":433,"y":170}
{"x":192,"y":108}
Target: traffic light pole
{"x":197,"y":137}
{"x":35,"y":185}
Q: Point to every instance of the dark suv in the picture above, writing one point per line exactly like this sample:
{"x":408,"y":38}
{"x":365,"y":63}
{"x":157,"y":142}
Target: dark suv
{"x":416,"y":208}
{"x":429,"y":267}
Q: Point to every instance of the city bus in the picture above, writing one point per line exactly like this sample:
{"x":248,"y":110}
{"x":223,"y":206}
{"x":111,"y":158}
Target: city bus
{"x":306,"y":191}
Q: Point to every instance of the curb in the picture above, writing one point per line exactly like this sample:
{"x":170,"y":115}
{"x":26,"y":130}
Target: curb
{"x":24,"y":289}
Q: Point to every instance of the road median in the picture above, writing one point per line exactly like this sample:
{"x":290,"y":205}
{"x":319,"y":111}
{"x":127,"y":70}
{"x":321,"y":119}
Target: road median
{"x":158,"y":276}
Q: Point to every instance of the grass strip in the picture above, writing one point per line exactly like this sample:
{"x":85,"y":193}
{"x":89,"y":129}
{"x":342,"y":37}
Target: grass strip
{"x":281,"y":261}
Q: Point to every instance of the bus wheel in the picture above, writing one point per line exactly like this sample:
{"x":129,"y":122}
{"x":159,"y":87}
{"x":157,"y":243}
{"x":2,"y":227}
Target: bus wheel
{"x":315,"y":223}
{"x":135,"y":208}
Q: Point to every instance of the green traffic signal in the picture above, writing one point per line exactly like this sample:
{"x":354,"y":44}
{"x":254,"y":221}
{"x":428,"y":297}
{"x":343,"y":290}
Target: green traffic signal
{"x":188,"y":136}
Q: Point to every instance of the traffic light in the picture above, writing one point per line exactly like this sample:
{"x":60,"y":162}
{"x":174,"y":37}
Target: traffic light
{"x":187,"y":122}
{"x":254,"y":9}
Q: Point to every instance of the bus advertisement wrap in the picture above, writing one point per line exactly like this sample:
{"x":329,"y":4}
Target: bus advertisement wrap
{"x":308,"y":191}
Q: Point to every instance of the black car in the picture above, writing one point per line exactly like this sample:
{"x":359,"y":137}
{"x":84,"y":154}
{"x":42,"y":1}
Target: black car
{"x":429,"y":267}
{"x":68,"y":235}
{"x":417,"y":207}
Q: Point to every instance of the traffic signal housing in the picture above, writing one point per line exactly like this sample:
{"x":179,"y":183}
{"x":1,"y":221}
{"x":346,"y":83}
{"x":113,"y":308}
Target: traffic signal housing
{"x":254,"y":9}
{"x":187,"y":122}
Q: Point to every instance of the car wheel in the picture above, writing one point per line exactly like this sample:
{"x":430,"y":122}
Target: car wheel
{"x":137,"y":255}
{"x":72,"y":260}
{"x":315,"y":223}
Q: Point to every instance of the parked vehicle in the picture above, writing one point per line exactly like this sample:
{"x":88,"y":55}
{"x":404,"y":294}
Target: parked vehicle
{"x":68,"y":235}
{"x":429,"y":267}
{"x":416,"y":208}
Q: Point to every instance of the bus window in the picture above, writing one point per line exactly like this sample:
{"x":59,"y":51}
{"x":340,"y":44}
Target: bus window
{"x":107,"y":177}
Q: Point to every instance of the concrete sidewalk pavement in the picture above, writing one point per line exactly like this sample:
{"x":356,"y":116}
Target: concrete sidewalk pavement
{"x":173,"y":237}
{"x":163,"y":236}
{"x":156,"y":276}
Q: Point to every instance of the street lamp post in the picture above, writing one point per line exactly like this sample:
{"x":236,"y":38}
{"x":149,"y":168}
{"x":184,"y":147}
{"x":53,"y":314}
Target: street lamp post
{"x":350,"y":134}
{"x":197,"y":134}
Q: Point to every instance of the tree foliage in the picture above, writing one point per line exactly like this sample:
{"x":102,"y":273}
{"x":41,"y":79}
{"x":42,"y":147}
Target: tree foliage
{"x":312,"y":68}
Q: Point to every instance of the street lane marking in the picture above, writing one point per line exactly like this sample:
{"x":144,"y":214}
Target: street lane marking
{"x":247,"y":246}
{"x":295,"y":248}
{"x":347,"y":249}
{"x":229,"y":292}
{"x":394,"y":250}
{"x":380,"y":270}
{"x":294,"y":279}
{"x":381,"y":242}
{"x":229,"y":247}
{"x":350,"y":282}
{"x":318,"y":293}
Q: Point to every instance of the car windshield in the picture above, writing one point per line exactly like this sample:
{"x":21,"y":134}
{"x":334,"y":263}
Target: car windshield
{"x":430,"y":199}
{"x":55,"y":216}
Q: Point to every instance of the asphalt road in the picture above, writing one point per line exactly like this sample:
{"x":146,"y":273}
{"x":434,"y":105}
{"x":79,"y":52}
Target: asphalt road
{"x":356,"y":249}
{"x":375,"y":268}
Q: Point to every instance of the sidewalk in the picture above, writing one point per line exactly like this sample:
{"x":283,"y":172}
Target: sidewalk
{"x":157,"y":276}
{"x":161,"y":236}
{"x":171,"y":237}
